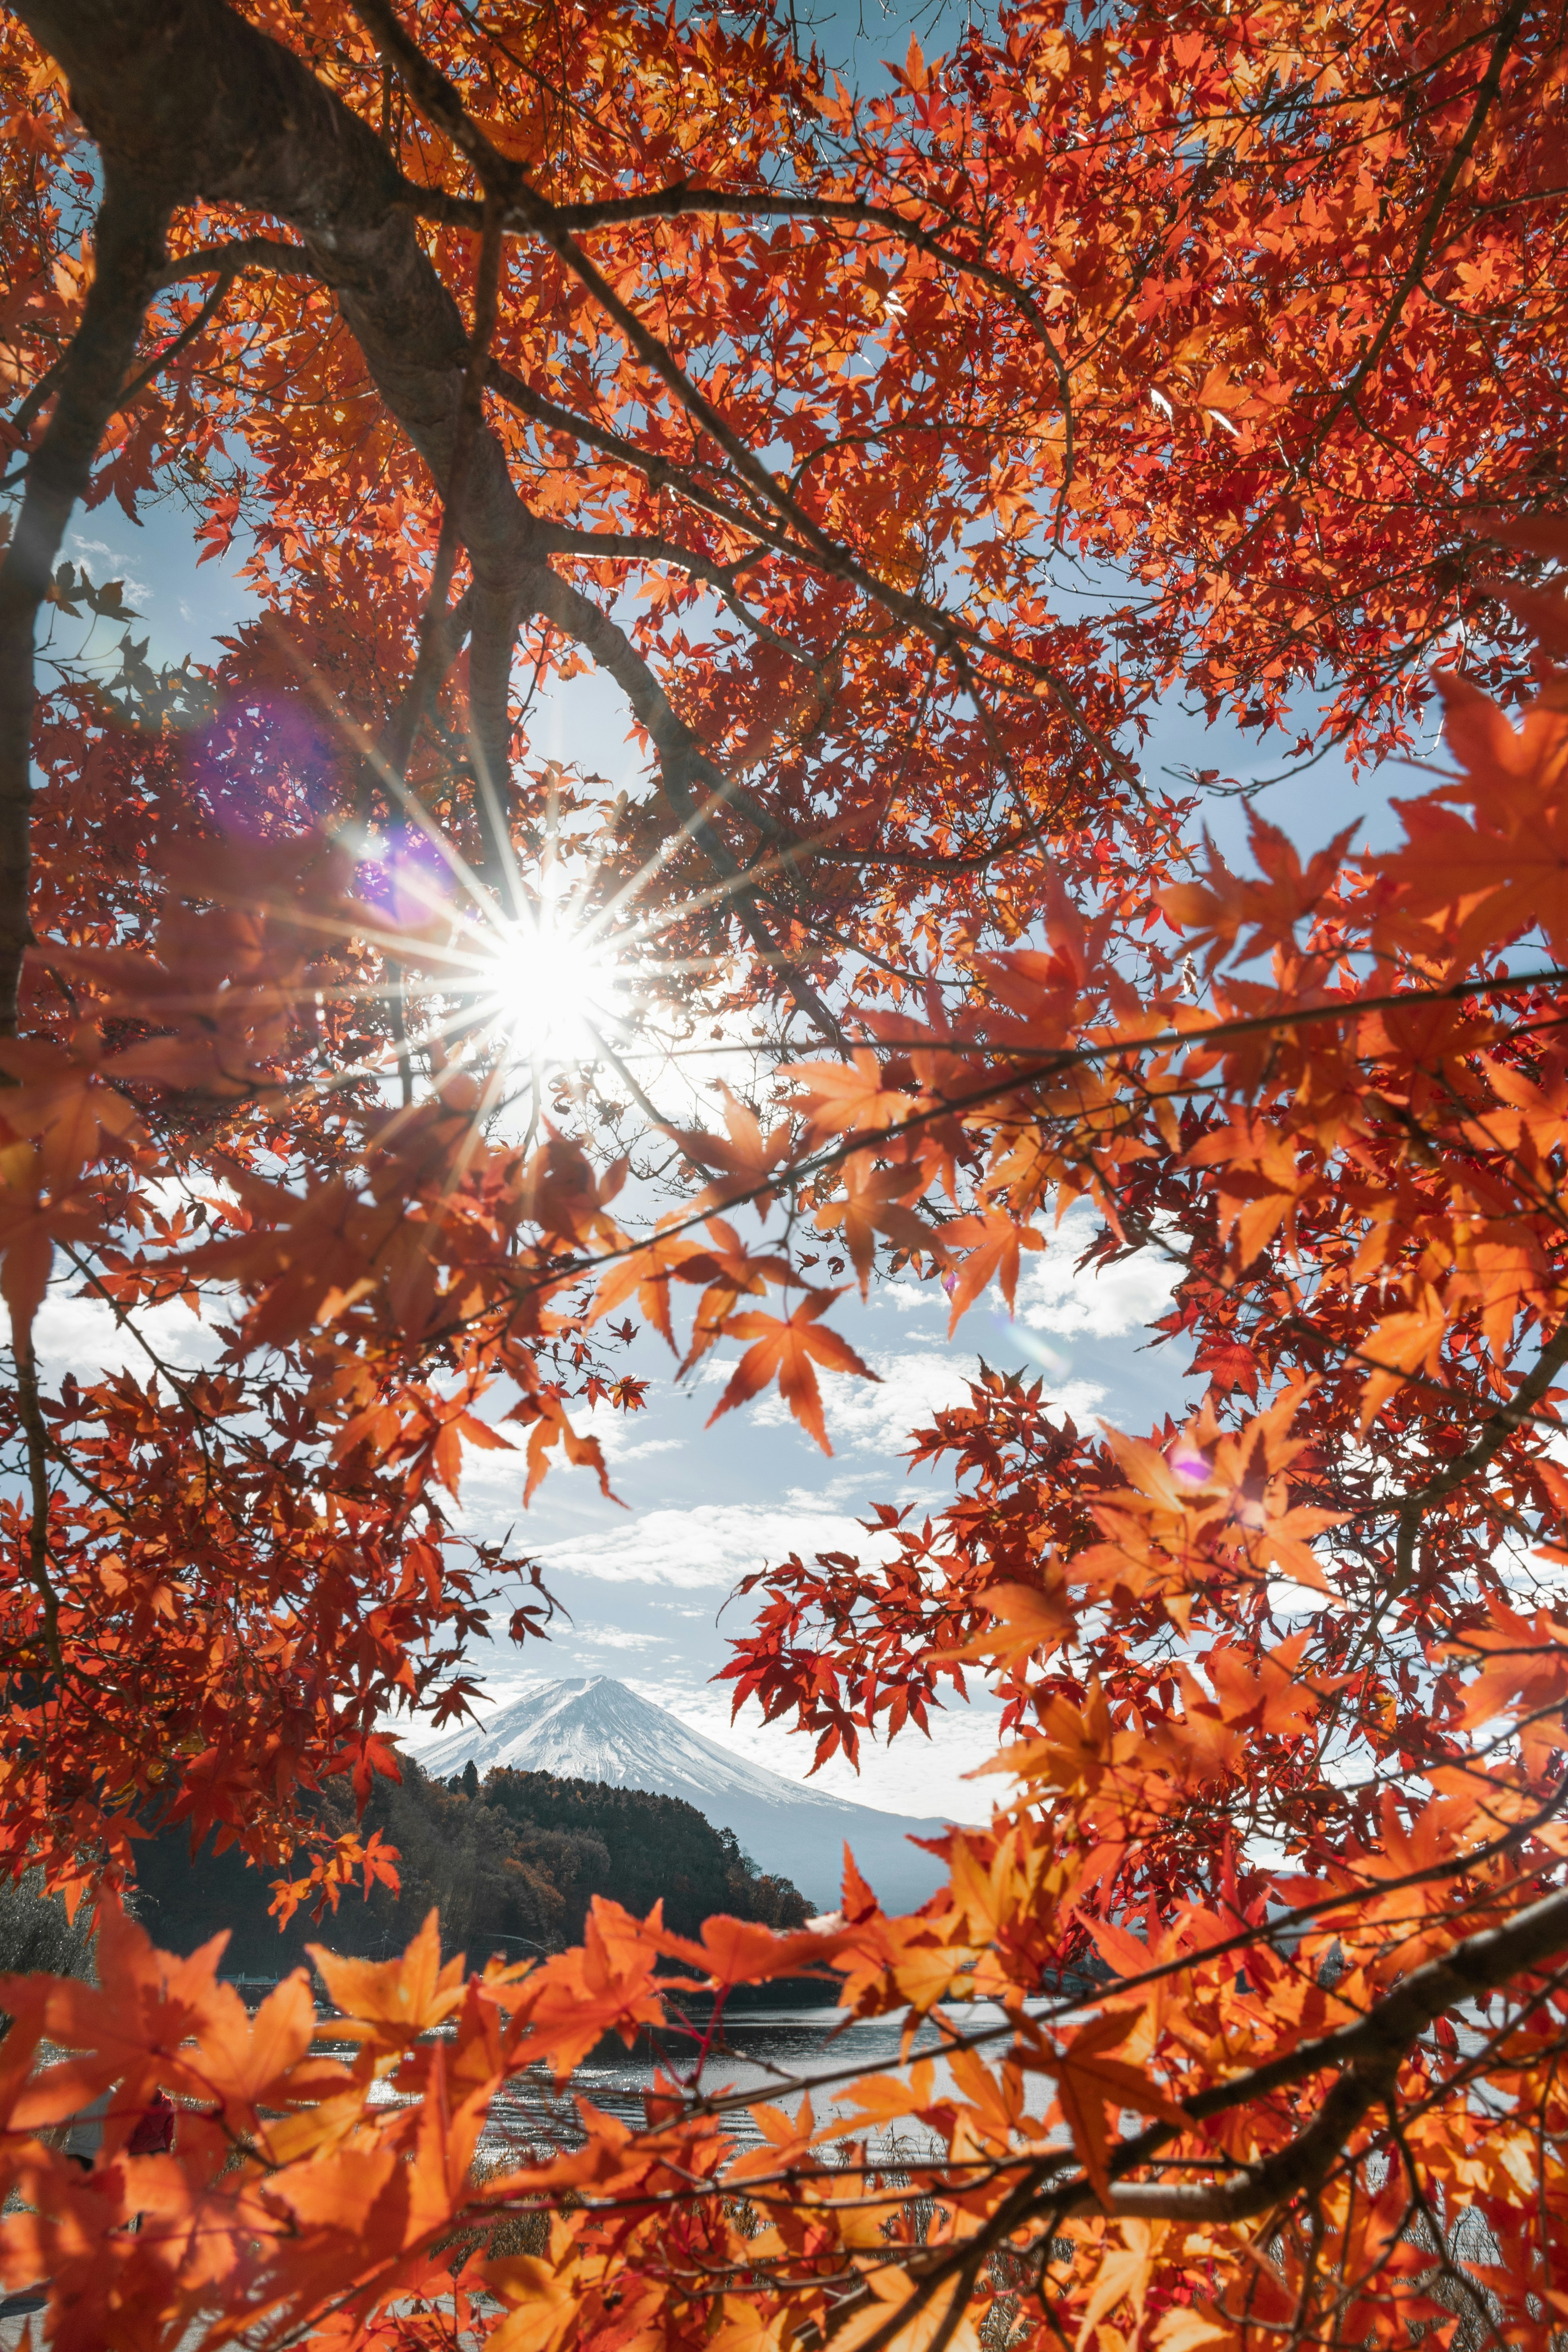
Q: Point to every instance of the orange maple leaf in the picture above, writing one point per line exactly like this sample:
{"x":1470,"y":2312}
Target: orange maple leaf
{"x":746,"y":1159}
{"x":991,"y":1243}
{"x":845,"y":1097}
{"x":551,"y":1428}
{"x":875,"y":1202}
{"x":1027,"y":1620}
{"x":649,"y":1271}
{"x":1092,"y":2088}
{"x":1411,"y":1341}
{"x":785,"y":1351}
{"x":1491,"y":879}
{"x":388,"y":2004}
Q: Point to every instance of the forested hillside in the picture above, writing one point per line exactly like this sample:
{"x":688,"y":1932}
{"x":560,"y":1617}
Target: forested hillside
{"x":655,"y":1848}
{"x":511,"y":1866}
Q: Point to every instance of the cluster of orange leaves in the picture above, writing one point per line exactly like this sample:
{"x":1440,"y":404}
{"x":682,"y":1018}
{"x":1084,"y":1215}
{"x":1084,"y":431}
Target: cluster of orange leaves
{"x":1283,"y":1681}
{"x":1170,"y":1730}
{"x":339,"y":2176}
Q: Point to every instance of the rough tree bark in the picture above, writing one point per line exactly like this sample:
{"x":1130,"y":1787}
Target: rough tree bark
{"x":128,"y":255}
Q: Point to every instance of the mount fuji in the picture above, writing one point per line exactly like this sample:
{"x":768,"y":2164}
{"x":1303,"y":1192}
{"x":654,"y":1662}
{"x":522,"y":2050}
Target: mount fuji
{"x":598,"y":1729}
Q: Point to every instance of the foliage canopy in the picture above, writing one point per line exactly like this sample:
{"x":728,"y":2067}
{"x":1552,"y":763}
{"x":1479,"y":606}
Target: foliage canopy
{"x":895,"y":459}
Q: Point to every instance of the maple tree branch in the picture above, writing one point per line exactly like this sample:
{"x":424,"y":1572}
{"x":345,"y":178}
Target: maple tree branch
{"x":440,"y":102}
{"x":635,"y":679}
{"x":1370,"y":2050}
{"x":683,"y":764}
{"x":177,"y":343}
{"x":498,"y":610}
{"x":1477,"y":1968}
{"x":37,"y":1444}
{"x":232,"y":259}
{"x":682,"y":200}
{"x":504,"y":180}
{"x":21,"y":418}
{"x":251,"y":126}
{"x":1244,"y":1939}
{"x":1421,"y":2204}
{"x":497,"y":616}
{"x":129,"y":254}
{"x":1491,"y":83}
{"x":685,"y":201}
{"x":648,"y":546}
{"x":662,"y":474}
{"x":1503,"y":1421}
{"x":659,"y":473}
{"x":239,"y":253}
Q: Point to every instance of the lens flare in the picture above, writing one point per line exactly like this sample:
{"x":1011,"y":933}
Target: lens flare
{"x":553,"y":990}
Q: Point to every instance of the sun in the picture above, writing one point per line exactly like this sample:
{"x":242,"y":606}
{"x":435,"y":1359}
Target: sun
{"x":533,"y":976}
{"x":555,"y":990}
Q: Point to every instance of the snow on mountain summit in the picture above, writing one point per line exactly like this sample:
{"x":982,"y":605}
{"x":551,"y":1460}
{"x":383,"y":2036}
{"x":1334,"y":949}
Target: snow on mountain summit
{"x":597,"y":1728}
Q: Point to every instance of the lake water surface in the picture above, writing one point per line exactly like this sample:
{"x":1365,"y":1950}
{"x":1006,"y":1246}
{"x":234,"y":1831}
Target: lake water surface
{"x":766,"y":2053}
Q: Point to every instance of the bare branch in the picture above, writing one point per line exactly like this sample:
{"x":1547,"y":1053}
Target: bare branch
{"x":239,"y":253}
{"x":129,"y":255}
{"x":432,"y":659}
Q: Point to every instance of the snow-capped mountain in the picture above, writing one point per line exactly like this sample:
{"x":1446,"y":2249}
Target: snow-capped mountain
{"x":597,"y":1729}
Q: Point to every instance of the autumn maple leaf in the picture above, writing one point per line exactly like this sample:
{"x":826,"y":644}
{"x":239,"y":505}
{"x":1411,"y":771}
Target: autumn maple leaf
{"x":551,"y":1428}
{"x":990,"y":1246}
{"x":392,"y":2002}
{"x":735,"y":1273}
{"x":875,"y":1202}
{"x":649,"y":1272}
{"x":787,"y":1351}
{"x":1494,"y":878}
{"x":1026,"y":1621}
{"x":1408,"y":1342}
{"x":320,"y":1086}
{"x":746,"y":1159}
{"x":845,"y":1097}
{"x":1092,"y":2088}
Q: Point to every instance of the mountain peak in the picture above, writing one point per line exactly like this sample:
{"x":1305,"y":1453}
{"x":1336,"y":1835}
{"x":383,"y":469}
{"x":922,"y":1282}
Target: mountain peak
{"x":595,"y":1727}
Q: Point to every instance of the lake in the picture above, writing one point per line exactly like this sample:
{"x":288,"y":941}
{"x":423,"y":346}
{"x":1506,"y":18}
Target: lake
{"x":769,"y":2054}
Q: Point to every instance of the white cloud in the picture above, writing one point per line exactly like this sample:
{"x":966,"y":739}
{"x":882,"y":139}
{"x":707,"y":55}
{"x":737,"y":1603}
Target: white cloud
{"x":908,"y":1296}
{"x":620,"y":1435}
{"x":707,"y":1544}
{"x":106,"y":558}
{"x":85,"y":1337}
{"x":621,"y":1637}
{"x":877,"y":1418}
{"x":914,"y":1775}
{"x":1054,"y":1294}
{"x":848,"y":1486}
